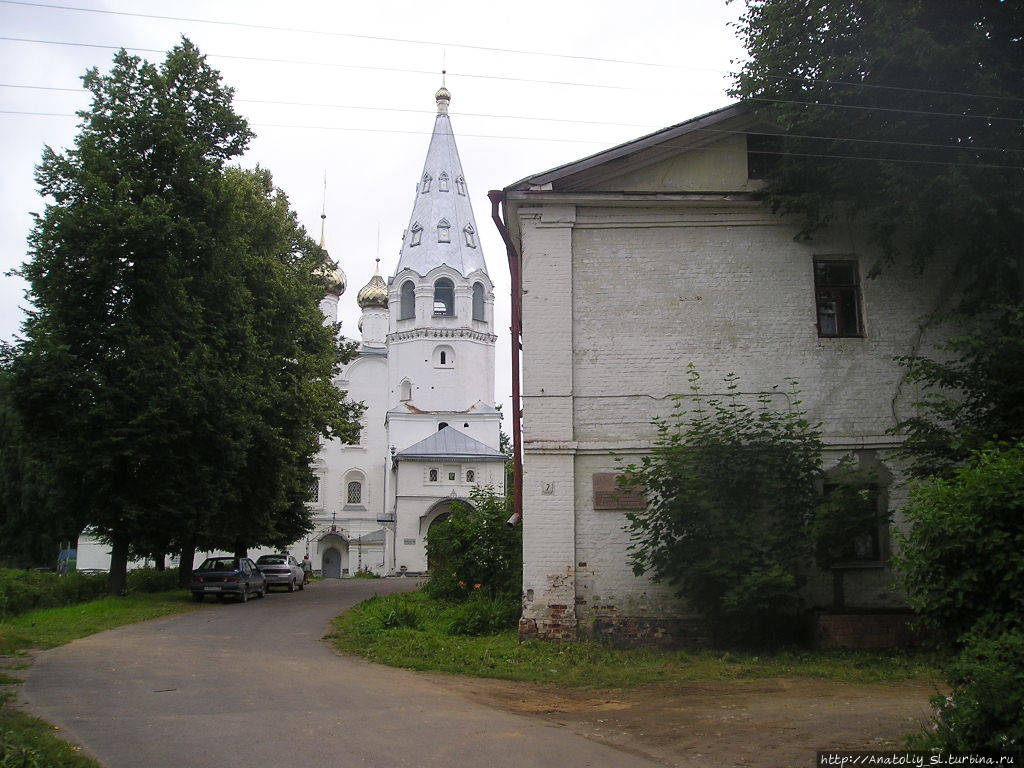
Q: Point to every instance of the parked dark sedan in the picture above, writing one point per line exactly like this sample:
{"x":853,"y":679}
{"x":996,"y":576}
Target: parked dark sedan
{"x":221,"y":576}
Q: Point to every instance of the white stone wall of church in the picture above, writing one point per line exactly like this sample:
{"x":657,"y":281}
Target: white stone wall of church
{"x":408,"y":429}
{"x":617,"y":302}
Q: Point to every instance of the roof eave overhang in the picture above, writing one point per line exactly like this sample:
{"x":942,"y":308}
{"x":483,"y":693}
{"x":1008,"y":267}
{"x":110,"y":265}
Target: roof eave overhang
{"x":555,"y":177}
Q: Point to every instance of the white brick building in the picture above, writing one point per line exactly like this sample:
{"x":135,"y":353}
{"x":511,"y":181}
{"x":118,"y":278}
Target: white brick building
{"x":639,"y":260}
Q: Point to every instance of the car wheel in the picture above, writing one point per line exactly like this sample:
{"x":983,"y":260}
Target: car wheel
{"x":291,"y":585}
{"x":243,"y":596}
{"x":263,"y":591}
{"x":302,"y":585}
{"x":197,"y":596}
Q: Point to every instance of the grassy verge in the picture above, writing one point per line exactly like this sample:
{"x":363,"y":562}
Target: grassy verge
{"x":27,"y":742}
{"x":410,"y":630}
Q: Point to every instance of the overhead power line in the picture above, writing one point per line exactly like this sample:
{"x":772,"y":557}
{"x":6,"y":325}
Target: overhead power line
{"x":588,"y":141}
{"x":494,"y":49}
{"x":512,"y":79}
{"x":324,"y":64}
{"x":971,"y":147}
{"x":372,"y":109}
{"x":345,"y":128}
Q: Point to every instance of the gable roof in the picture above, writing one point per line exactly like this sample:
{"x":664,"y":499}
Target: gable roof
{"x":449,"y":443}
{"x":703,"y":129}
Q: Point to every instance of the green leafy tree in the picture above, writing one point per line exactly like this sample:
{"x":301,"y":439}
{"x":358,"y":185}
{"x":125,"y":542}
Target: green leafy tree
{"x":149,"y":357}
{"x":961,"y":560}
{"x":287,"y":357}
{"x":904,"y":118}
{"x":31,"y":527}
{"x":473,"y":551}
{"x":731,"y":489}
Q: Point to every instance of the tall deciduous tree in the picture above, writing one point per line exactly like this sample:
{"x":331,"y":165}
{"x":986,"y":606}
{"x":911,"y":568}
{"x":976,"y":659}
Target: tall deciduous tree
{"x":908,"y":116}
{"x":141,"y":372}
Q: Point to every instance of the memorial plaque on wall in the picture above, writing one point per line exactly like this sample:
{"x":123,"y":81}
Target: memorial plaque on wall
{"x":609,"y":495}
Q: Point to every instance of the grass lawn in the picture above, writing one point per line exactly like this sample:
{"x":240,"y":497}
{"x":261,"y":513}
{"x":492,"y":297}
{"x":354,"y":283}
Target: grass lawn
{"x":27,"y":742}
{"x":410,"y":630}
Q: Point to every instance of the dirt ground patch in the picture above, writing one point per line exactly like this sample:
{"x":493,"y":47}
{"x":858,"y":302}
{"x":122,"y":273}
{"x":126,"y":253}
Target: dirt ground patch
{"x":757,"y":724}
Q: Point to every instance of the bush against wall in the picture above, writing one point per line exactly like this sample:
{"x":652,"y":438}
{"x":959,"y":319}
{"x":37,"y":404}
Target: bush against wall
{"x":732,"y":486}
{"x":985,"y":709}
{"x":474,"y":552}
{"x":961,"y":561}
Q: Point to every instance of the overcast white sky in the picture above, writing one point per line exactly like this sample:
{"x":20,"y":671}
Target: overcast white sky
{"x":371,"y":175}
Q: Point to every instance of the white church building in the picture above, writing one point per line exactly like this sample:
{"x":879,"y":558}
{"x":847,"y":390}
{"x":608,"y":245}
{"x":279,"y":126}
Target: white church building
{"x":425,"y":373}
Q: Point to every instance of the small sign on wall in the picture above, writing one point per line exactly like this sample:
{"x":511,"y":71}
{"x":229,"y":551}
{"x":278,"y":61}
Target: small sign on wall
{"x":609,"y":495}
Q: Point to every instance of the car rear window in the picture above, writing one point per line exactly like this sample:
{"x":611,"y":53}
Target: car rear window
{"x":272,"y":560}
{"x":219,"y":564}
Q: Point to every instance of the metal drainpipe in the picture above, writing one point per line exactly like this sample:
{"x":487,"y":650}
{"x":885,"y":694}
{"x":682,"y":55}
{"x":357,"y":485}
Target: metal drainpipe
{"x":497,"y":197}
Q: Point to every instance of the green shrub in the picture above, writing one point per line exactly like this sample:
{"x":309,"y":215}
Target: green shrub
{"x":152,"y":580}
{"x":483,"y":615}
{"x":365,"y":575}
{"x":22,"y":591}
{"x":392,"y":612}
{"x":474,"y":551}
{"x":961,"y":562}
{"x":731,"y":490}
{"x":985,"y":710}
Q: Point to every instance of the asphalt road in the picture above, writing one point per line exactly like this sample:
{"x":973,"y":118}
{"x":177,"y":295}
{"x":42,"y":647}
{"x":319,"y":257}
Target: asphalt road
{"x":234,"y":686}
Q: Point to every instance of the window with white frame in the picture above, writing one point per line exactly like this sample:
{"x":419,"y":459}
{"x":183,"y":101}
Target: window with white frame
{"x":444,"y":231}
{"x":442,"y":182}
{"x":470,"y":234}
{"x":425,"y":183}
{"x":416,"y":235}
{"x":460,"y":185}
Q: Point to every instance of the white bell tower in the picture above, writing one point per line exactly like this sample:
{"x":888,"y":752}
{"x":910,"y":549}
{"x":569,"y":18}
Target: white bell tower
{"x":441,"y":299}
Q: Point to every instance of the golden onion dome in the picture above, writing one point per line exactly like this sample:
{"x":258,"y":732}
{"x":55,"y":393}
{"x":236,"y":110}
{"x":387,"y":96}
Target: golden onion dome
{"x":335,"y":277}
{"x":375,"y":293}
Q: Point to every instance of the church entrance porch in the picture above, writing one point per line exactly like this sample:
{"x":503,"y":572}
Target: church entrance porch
{"x":334,"y":555}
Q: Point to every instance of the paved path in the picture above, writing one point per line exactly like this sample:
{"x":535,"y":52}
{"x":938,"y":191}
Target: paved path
{"x":252,"y":686}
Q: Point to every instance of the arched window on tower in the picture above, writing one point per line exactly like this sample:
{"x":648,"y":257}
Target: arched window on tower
{"x":407,"y":305}
{"x":460,"y":185}
{"x":444,"y":231}
{"x":416,"y":235}
{"x":444,"y":298}
{"x":425,"y":183}
{"x":405,"y":390}
{"x":478,"y":301}
{"x":442,"y":182}
{"x":470,"y":234}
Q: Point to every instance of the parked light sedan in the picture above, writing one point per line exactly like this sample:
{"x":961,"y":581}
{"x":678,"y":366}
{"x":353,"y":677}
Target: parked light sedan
{"x":282,"y":570}
{"x":221,"y":576}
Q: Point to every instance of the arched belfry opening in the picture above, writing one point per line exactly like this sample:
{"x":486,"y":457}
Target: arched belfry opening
{"x":444,"y":298}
